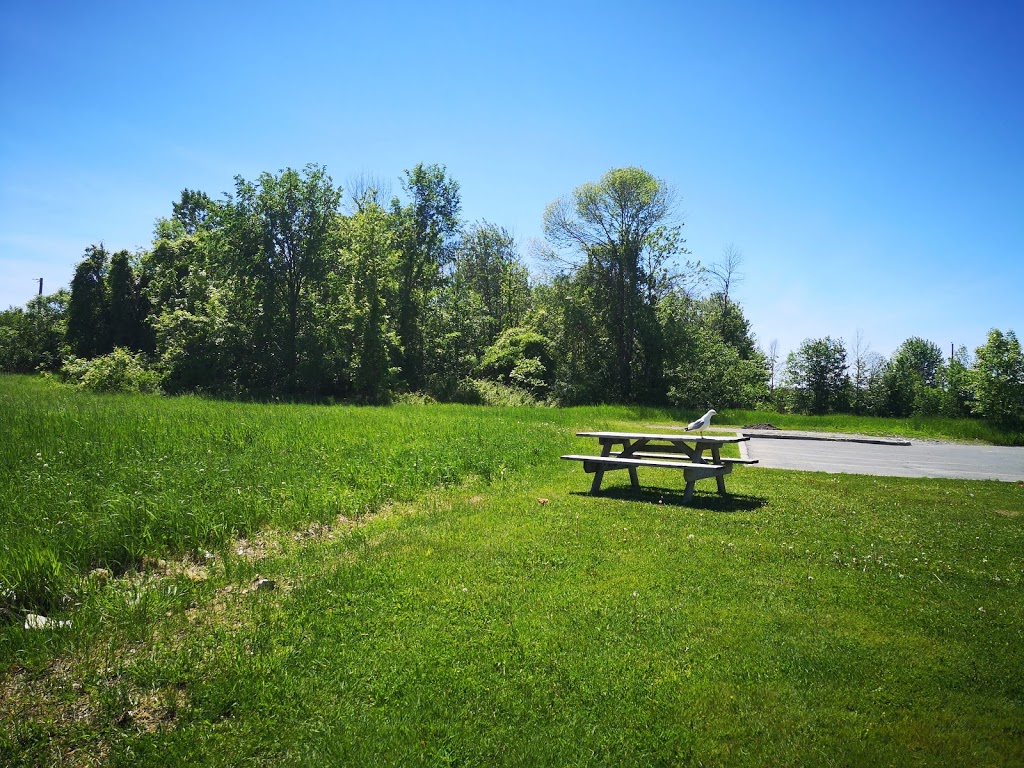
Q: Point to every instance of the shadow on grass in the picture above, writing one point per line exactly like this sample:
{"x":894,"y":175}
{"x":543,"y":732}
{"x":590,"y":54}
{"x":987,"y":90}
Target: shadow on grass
{"x":708,"y":500}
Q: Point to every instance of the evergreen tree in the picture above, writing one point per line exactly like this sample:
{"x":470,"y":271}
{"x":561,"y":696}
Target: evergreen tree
{"x":123,"y":303}
{"x":88,"y":328}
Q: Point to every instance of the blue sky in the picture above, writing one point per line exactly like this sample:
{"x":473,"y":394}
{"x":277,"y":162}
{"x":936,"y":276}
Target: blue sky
{"x":867,"y":158}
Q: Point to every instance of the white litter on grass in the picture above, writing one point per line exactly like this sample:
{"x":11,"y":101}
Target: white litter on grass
{"x":35,"y":621}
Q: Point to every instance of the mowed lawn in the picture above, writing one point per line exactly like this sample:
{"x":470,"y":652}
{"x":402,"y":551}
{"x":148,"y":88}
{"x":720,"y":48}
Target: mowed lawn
{"x":466,"y":603}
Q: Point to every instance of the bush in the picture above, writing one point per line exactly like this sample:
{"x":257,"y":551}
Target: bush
{"x":495,"y":393}
{"x":118,"y":371}
{"x":520,"y":358}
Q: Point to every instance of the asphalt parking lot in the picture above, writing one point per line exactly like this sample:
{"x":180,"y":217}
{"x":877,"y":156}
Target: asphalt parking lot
{"x":919,"y":459}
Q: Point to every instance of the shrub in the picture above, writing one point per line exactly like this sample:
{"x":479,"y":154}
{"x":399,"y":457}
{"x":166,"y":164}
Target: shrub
{"x":521,"y":358}
{"x":118,"y":371}
{"x":495,"y":393}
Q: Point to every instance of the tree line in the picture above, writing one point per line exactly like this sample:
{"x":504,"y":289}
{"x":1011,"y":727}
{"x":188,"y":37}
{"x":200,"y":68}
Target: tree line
{"x":822,"y":376}
{"x":288,"y":288}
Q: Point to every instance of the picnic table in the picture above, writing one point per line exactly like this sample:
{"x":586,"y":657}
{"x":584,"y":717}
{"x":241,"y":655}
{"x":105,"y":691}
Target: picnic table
{"x":685,"y":452}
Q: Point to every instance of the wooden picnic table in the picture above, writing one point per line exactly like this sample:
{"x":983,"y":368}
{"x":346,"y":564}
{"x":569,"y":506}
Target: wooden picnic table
{"x":685,"y":452}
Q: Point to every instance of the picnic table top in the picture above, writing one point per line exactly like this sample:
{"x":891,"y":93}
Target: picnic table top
{"x":689,"y":437}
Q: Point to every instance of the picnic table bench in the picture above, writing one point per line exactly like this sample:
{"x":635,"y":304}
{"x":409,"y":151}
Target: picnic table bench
{"x":640,"y":449}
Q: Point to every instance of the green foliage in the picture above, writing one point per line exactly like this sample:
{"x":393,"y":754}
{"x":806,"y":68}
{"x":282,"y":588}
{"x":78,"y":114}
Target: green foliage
{"x":117,"y":371}
{"x":88,"y":326}
{"x":956,"y":393}
{"x":866,"y":380}
{"x":426,"y":227}
{"x":922,"y":357}
{"x":493,"y":394}
{"x":817,"y":374}
{"x":912,"y":379}
{"x":372,"y":250}
{"x":486,"y":263}
{"x":711,"y":373}
{"x":193,"y":354}
{"x":565,"y":314}
{"x":711,"y":363}
{"x":125,"y":323}
{"x":193,"y":211}
{"x":725,"y":317}
{"x":998,"y":379}
{"x":520,"y":357}
{"x":274,"y":292}
{"x":33,"y":339}
{"x":621,"y":227}
{"x":282,"y":231}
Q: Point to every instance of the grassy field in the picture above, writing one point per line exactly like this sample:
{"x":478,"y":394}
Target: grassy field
{"x":449,"y":595}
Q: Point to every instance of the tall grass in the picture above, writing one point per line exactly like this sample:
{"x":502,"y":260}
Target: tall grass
{"x":101,"y":481}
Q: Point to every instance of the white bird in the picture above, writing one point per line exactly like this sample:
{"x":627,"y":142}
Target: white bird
{"x":702,"y":423}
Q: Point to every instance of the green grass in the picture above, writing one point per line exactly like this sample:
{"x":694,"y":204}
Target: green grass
{"x":99,"y":481}
{"x":454,"y":619}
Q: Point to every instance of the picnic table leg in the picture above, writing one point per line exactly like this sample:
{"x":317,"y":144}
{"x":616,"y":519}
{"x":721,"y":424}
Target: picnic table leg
{"x":688,"y":493}
{"x":627,"y":450}
{"x":606,"y":449}
{"x":715,"y":455}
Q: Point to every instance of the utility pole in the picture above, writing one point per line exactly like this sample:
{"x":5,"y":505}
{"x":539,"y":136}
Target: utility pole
{"x":40,"y":285}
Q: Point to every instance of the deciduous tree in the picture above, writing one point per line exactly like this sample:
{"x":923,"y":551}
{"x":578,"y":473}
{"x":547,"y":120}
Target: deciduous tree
{"x":622,"y":227}
{"x":487,"y":263}
{"x":817,"y":372}
{"x":998,"y":379}
{"x":283,"y":226}
{"x":426,"y":225}
{"x":370,"y":243}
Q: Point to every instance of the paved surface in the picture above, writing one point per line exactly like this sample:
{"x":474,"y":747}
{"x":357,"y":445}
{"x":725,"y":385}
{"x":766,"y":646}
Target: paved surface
{"x":839,"y":437}
{"x":919,"y":459}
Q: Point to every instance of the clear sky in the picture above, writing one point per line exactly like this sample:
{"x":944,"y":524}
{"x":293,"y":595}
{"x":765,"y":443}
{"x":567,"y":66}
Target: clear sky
{"x":866,"y":158}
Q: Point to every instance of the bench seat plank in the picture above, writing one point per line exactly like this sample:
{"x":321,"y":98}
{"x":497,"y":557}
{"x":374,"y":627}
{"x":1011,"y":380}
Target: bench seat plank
{"x":669,"y":456}
{"x":683,"y":436}
{"x":622,"y":461}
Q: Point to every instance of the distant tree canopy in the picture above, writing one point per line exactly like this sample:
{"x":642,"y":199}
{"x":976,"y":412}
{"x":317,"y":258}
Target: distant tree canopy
{"x":275,"y":290}
{"x":817,"y":374}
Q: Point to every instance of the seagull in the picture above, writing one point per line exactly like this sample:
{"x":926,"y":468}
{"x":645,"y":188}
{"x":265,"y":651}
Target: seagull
{"x":702,"y":423}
